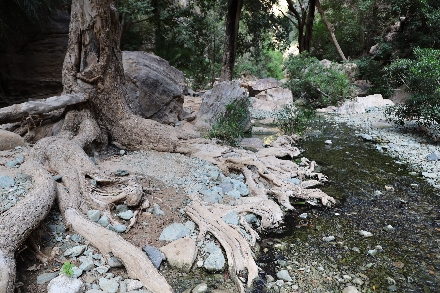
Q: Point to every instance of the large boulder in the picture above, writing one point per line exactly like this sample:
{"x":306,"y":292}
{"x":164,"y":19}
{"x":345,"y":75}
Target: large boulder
{"x":261,"y":85}
{"x":155,"y":88}
{"x":215,"y":101}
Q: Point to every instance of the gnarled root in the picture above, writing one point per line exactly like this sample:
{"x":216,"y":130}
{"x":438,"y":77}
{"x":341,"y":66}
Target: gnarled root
{"x":18,"y":222}
{"x":238,"y":252}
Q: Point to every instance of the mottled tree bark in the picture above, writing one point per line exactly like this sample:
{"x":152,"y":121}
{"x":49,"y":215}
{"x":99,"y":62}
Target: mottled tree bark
{"x":231,"y":35}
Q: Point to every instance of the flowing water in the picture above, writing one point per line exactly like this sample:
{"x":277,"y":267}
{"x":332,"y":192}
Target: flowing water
{"x":373,"y":191}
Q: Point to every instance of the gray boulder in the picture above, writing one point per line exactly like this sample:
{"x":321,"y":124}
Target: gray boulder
{"x":215,"y":101}
{"x":155,"y":89}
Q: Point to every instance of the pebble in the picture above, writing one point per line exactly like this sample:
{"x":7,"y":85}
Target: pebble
{"x":46,"y":277}
{"x":114,"y":262}
{"x":388,"y":228}
{"x":432,"y":157}
{"x":104,"y":221}
{"x":154,"y":255}
{"x":350,"y":289}
{"x":75,"y":251}
{"x":157,"y":210}
{"x":174,"y":232}
{"x":109,"y":285}
{"x":231,"y":218}
{"x":6,"y":181}
{"x":284,"y":275}
{"x":329,"y":142}
{"x":328,"y":239}
{"x":365,"y":233}
{"x":200,"y":288}
{"x":303,"y":216}
{"x":65,"y":285}
{"x":133,"y":284}
{"x":86,"y":263}
{"x":94,"y":215}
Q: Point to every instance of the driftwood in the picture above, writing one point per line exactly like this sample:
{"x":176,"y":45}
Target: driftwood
{"x":16,"y":112}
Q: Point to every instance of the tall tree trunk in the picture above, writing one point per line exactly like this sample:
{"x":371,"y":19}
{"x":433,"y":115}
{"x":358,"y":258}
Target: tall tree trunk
{"x":231,"y":34}
{"x":309,"y":26}
{"x":331,"y":30}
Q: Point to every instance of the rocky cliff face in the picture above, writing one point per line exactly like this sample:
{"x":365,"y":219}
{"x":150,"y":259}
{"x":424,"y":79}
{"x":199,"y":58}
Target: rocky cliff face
{"x":32,"y":69}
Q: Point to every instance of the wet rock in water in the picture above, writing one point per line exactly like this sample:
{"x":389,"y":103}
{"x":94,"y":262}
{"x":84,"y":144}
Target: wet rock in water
{"x":75,"y":251}
{"x":181,"y":253}
{"x":365,"y":233}
{"x":46,"y":277}
{"x":200,"y":288}
{"x":231,"y":218}
{"x":157,"y":211}
{"x":6,"y":181}
{"x":328,"y":239}
{"x":174,"y":232}
{"x":154,"y":254}
{"x":94,"y":215}
{"x":284,"y":275}
{"x":109,"y":285}
{"x":433,"y":157}
{"x":350,"y":289}
{"x":66,"y":285}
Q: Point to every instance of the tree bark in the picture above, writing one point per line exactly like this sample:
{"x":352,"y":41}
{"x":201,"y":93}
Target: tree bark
{"x":309,"y":26}
{"x":231,"y":35}
{"x":331,"y":30}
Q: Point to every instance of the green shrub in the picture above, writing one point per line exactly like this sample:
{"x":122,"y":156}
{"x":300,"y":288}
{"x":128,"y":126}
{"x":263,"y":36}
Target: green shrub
{"x":268,"y":64}
{"x":232,"y":125}
{"x":373,"y":71}
{"x":67,"y":269}
{"x":422,"y":77}
{"x":291,"y":119}
{"x":318,"y":85}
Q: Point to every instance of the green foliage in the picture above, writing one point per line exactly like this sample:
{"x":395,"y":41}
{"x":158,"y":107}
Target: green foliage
{"x":269,"y":64}
{"x":318,"y":85}
{"x":373,"y":71}
{"x":67,"y":269}
{"x":422,"y":77}
{"x":291,"y":119}
{"x":231,"y":126}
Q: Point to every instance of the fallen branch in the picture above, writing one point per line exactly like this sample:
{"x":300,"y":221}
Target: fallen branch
{"x":16,"y":112}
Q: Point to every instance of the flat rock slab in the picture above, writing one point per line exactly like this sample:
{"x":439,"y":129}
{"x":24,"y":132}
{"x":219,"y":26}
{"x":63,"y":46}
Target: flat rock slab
{"x":181,"y":253}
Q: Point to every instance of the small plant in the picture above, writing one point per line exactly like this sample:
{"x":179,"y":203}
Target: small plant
{"x":317,"y":84}
{"x":232,"y":125}
{"x":67,"y":269}
{"x":291,"y":119}
{"x":422,"y":77}
{"x":373,"y":71}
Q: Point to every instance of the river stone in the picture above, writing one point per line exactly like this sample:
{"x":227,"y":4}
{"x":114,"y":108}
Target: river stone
{"x":10,"y":140}
{"x":154,"y":255}
{"x":94,"y":215}
{"x":433,"y":157}
{"x":133,"y":284}
{"x":108,"y":285}
{"x":75,"y":251}
{"x":284,"y":275}
{"x":65,"y":284}
{"x":6,"y":181}
{"x":127,"y":215}
{"x":350,"y":289}
{"x":200,"y":288}
{"x":181,"y":253}
{"x":174,"y":232}
{"x":104,"y":221}
{"x":46,"y":277}
{"x":231,"y":218}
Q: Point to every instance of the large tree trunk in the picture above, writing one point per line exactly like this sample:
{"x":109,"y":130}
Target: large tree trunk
{"x":309,"y":26}
{"x":231,"y":35}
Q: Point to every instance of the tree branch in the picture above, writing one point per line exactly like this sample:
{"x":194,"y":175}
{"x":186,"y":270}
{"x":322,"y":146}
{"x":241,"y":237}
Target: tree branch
{"x":16,"y":112}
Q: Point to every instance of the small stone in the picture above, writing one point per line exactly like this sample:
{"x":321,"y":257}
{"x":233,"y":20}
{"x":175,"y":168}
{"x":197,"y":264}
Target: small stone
{"x":234,"y":194}
{"x":174,"y":232}
{"x":77,"y":272}
{"x":358,"y":281}
{"x":388,"y":228}
{"x":122,"y":208}
{"x":365,"y":233}
{"x":45,"y":277}
{"x":181,"y":253}
{"x":57,"y":178}
{"x":118,"y":228}
{"x":86,"y":263}
{"x":328,"y":142}
{"x":122,"y":152}
{"x":12,"y":164}
{"x":157,"y":210}
{"x":392,"y":288}
{"x":94,"y":291}
{"x":102,"y":269}
{"x":231,"y":218}
{"x":433,"y":157}
{"x":284,"y":275}
{"x":389,"y":188}
{"x":154,"y":255}
{"x":269,"y":278}
{"x":104,"y":221}
{"x":190,"y":225}
{"x":350,"y":289}
{"x":303,"y":216}
{"x":6,"y":181}
{"x":279,"y":283}
{"x":114,"y":262}
{"x":366,"y":137}
{"x":94,"y":215}
{"x":109,"y":285}
{"x":200,"y":288}
{"x":121,"y":173}
{"x":75,"y":251}
{"x":295,"y":287}
{"x":127,"y":215}
{"x":429,"y":175}
{"x":76,"y":238}
{"x":66,"y":285}
{"x":328,"y":239}
{"x":133,"y":284}
{"x":372,"y":252}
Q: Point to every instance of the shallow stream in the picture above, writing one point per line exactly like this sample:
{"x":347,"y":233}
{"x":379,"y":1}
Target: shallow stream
{"x":373,"y":191}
